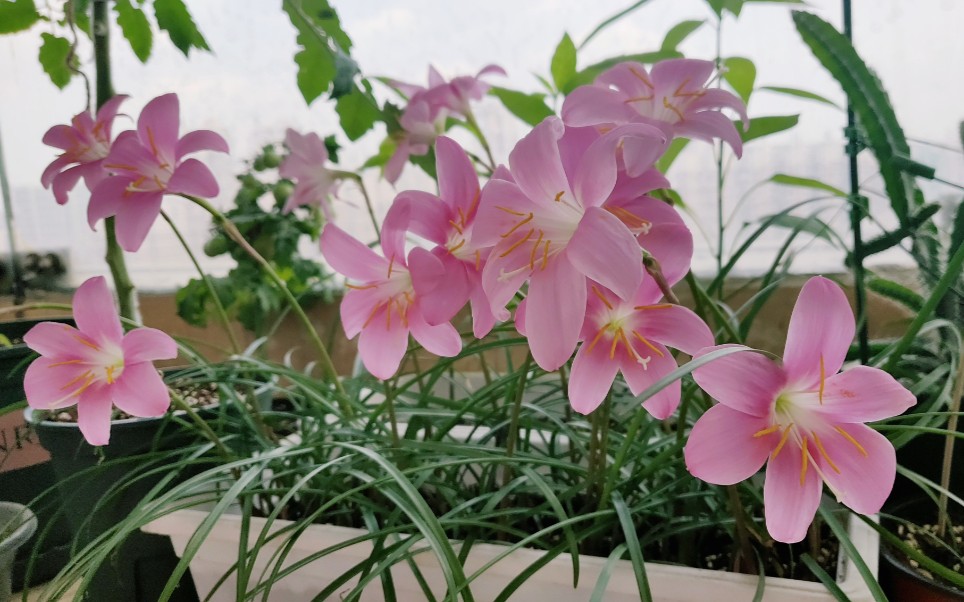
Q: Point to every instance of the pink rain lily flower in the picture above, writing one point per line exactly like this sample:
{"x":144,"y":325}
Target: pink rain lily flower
{"x":673,"y":96}
{"x":384,"y":304}
{"x":315,"y":183}
{"x":96,"y":365}
{"x":549,"y":227}
{"x":148,"y":163}
{"x":802,"y":418}
{"x":455,"y":95}
{"x":447,"y":220}
{"x":85,"y":142}
{"x":631,"y":337}
{"x":422,"y":122}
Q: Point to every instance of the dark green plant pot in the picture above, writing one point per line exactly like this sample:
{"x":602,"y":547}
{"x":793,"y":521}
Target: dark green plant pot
{"x":25,"y":469}
{"x":17,"y":526}
{"x":103,"y":488}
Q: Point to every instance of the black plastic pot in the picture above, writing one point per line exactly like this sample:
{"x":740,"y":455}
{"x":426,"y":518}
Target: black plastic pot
{"x":102,"y":487}
{"x":25,"y":469}
{"x":902,"y":582}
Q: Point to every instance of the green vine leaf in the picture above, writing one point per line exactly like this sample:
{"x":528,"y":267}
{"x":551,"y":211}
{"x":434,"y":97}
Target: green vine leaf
{"x":766,"y":126}
{"x":679,"y":32}
{"x":316,"y":61}
{"x":173,"y":17}
{"x":17,"y":15}
{"x":741,"y":74}
{"x":358,"y":112}
{"x":54,"y":54}
{"x":530,"y":108}
{"x":135,"y":27}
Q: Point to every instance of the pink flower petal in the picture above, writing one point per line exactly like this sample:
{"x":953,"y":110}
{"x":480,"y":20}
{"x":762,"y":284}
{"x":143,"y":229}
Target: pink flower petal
{"x":65,"y":181}
{"x":194,"y":178}
{"x":108,"y":111}
{"x":93,"y":416}
{"x":441,"y":339}
{"x":200,"y":140}
{"x":396,"y":163}
{"x":457,"y":181}
{"x":60,"y":136}
{"x":358,"y":307}
{"x":537,"y":166}
{"x":747,"y":382}
{"x":591,"y":378}
{"x":721,"y":448}
{"x":427,"y":271}
{"x":594,"y":105}
{"x":428,"y":215}
{"x":106,"y":199}
{"x":128,"y":157}
{"x":382,"y":347}
{"x":640,"y":376}
{"x":55,"y":167}
{"x":504,"y":273}
{"x":863,"y":394}
{"x":789,"y":503}
{"x":350,"y":257}
{"x":140,"y":391}
{"x":641,"y":152}
{"x":135,"y":218}
{"x":483,"y":320}
{"x":450,"y":289}
{"x":866,"y":462}
{"x":708,"y":125}
{"x":53,"y":339}
{"x":158,"y":124}
{"x":820,"y":332}
{"x":50,"y":384}
{"x":604,"y":250}
{"x":95,"y":313}
{"x":687,"y":74}
{"x":556,"y":307}
{"x":677,"y":327}
{"x":147,"y":344}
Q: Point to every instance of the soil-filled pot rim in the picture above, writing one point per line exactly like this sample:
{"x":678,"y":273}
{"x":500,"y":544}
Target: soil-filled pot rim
{"x":899,"y":563}
{"x":31,"y":415}
{"x":9,"y":511}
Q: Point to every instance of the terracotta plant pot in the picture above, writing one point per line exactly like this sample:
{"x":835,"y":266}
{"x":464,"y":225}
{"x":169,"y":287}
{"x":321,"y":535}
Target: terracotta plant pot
{"x":17,"y":525}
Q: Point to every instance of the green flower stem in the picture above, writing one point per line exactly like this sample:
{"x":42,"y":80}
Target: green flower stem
{"x":390,"y":409}
{"x":100,"y":27}
{"x":219,"y":307}
{"x":368,"y":201}
{"x":180,"y":404}
{"x":473,"y":127}
{"x":326,"y":363}
{"x":942,"y":517}
{"x":742,"y":561}
{"x":598,"y":451}
{"x":701,"y":296}
{"x":512,"y":437}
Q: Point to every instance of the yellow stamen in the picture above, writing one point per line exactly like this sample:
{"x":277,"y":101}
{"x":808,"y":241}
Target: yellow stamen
{"x":82,"y":388}
{"x":110,"y":374}
{"x":612,"y":348}
{"x":823,"y":376}
{"x":641,"y":76}
{"x":371,"y":316}
{"x":64,"y":363}
{"x":76,"y":379}
{"x":457,"y":227}
{"x":461,"y":217}
{"x":806,"y":458}
{"x":391,"y":263}
{"x":766,"y":431}
{"x":559,"y":195}
{"x":478,"y":261}
{"x":680,"y":94}
{"x":518,"y":243}
{"x":602,"y":297}
{"x":656,"y":306}
{"x":123,"y":166}
{"x":637,"y":98}
{"x":629,"y":348}
{"x":850,"y":438}
{"x":596,"y":339}
{"x":671,"y":107}
{"x":86,"y":342}
{"x":518,"y":225}
{"x":783,"y":441}
{"x":510,"y":211}
{"x":472,"y":205}
{"x":652,"y":347}
{"x":535,"y":248}
{"x":823,"y":453}
{"x":360,"y":287}
{"x":545,"y":255}
{"x":388,"y":314}
{"x":150,"y":138}
{"x":458,"y":246}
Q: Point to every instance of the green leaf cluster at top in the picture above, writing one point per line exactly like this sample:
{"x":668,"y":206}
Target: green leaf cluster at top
{"x":276,"y":235}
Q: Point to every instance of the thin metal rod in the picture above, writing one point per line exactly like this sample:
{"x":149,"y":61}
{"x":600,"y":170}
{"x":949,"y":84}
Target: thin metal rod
{"x":18,"y":284}
{"x":856,"y":214}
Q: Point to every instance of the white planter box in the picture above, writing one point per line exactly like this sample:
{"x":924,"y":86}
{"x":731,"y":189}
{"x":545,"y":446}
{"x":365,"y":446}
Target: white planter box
{"x":553,"y":582}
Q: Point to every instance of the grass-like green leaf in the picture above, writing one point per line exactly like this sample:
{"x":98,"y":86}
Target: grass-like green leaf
{"x":797,"y":92}
{"x":824,"y":578}
{"x":788,"y":180}
{"x":679,"y":32}
{"x":632,"y":544}
{"x":767,"y":126}
{"x":850,"y":550}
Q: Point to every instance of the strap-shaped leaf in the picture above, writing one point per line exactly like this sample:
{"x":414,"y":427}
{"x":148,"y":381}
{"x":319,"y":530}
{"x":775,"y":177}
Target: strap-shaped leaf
{"x":870,"y":103}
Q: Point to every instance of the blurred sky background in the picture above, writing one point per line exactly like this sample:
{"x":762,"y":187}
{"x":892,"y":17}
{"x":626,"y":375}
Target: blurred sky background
{"x":246,"y":90}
